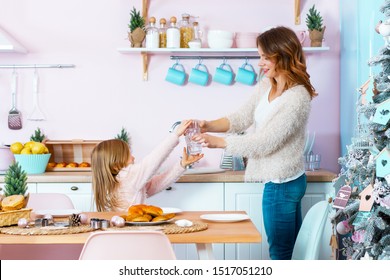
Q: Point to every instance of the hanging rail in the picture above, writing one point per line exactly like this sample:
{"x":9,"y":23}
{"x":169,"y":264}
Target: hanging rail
{"x":11,"y":66}
{"x":175,"y":57}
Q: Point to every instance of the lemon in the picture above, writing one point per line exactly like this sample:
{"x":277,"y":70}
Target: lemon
{"x":25,"y":151}
{"x":29,"y":144}
{"x":16,"y":147}
{"x":38,"y":148}
{"x":46,"y":151}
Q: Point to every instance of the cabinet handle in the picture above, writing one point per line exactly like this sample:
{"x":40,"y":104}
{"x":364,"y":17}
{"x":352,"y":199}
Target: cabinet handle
{"x":1,"y":189}
{"x":74,"y":188}
{"x":168,"y":189}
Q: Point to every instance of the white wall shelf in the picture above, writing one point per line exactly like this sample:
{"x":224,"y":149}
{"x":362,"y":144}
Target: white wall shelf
{"x":239,"y":52}
{"x":205,"y":51}
{"x":9,"y":45}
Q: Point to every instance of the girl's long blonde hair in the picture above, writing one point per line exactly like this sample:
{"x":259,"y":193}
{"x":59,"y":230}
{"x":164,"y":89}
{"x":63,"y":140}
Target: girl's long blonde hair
{"x":108,"y":158}
{"x":282,"y":46}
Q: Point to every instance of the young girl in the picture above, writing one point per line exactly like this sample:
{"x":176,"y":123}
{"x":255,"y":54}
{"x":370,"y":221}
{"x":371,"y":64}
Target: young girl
{"x":118,"y":182}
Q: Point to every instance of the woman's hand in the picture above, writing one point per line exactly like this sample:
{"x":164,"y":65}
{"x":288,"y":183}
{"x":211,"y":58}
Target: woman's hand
{"x":210,"y":141}
{"x":203,"y":126}
{"x":187,"y":159}
{"x":183,"y":127}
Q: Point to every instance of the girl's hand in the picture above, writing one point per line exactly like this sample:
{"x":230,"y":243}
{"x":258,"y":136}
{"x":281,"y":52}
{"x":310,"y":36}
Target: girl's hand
{"x":210,"y":141}
{"x":183,"y":127}
{"x":187,"y":159}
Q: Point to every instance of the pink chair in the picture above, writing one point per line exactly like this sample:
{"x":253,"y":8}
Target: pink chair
{"x":43,"y":201}
{"x":128,"y":245}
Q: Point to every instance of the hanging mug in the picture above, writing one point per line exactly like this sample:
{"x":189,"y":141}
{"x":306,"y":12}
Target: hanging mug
{"x":176,"y":74}
{"x":198,"y":76}
{"x":246,"y":76}
{"x":301,"y":34}
{"x":224,"y":74}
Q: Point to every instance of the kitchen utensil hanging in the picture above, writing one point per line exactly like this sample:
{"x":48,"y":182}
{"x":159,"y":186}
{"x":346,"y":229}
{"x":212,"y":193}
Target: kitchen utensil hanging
{"x":14,"y":116}
{"x":36,"y":114}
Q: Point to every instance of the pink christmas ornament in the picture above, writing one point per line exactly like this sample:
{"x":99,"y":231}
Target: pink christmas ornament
{"x":84,"y":219}
{"x":120,"y":222}
{"x":358,"y":236}
{"x":343,"y":227}
{"x":22,"y":223}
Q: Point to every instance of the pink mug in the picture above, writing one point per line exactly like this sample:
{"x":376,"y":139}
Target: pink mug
{"x":301,"y":34}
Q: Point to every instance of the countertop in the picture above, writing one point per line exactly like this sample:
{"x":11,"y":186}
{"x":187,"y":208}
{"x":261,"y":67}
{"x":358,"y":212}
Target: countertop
{"x":227,"y":176}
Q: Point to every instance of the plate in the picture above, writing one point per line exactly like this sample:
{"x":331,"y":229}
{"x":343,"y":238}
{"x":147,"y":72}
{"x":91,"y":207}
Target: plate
{"x":203,"y":170}
{"x":170,"y":210}
{"x":147,"y":223}
{"x":59,"y":213}
{"x":225,"y":218}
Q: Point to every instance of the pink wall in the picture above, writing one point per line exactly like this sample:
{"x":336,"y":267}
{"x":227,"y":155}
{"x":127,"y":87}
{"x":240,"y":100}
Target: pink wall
{"x":105,"y":91}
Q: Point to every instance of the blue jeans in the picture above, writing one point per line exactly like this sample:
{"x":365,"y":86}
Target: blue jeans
{"x":282,"y":216}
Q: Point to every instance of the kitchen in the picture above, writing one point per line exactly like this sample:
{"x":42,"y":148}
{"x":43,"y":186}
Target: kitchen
{"x":74,"y":100}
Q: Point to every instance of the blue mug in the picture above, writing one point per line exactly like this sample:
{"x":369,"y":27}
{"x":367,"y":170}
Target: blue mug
{"x":176,"y":76}
{"x":222,"y":75}
{"x":199,"y":77}
{"x":246,"y":76}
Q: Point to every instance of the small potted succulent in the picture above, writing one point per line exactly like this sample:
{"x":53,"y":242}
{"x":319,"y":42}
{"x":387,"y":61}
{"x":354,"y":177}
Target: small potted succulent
{"x":316,"y":28}
{"x":137,"y":29}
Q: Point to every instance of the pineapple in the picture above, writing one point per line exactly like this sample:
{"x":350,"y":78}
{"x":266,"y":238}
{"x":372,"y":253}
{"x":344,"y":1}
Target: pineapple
{"x":38,"y":136}
{"x":15,"y":180}
{"x":124,"y":136}
{"x":136,"y":20}
{"x":314,"y":19}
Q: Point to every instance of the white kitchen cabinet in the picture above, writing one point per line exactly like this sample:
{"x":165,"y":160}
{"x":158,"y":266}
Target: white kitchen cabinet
{"x":192,"y":197}
{"x":31,"y":188}
{"x":248,"y":197}
{"x":79,"y":193}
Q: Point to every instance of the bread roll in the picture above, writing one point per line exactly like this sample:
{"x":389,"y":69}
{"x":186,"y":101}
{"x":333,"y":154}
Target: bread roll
{"x":84,"y":164}
{"x":153,"y":210}
{"x":72,"y":164}
{"x":12,"y":202}
{"x":61,"y":164}
{"x":51,"y":164}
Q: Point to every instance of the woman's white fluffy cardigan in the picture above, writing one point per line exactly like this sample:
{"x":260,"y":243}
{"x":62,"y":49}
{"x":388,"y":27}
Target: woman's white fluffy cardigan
{"x":275,"y":149}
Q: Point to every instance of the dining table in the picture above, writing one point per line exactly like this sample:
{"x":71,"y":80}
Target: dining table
{"x":217,"y":231}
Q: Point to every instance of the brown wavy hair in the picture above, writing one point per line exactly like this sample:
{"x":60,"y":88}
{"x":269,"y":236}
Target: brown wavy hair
{"x":283,"y":47}
{"x":108,"y":158}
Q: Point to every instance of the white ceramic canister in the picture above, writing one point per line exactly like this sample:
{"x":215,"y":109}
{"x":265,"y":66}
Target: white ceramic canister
{"x":6,"y":158}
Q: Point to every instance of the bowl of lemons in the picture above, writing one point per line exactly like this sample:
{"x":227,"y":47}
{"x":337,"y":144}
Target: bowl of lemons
{"x":32,"y":156}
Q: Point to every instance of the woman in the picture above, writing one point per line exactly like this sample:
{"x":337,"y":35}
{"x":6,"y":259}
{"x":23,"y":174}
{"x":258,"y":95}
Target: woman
{"x":279,"y":110}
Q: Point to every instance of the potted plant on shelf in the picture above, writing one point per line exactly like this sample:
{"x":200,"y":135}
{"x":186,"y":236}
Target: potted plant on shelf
{"x":137,"y":29}
{"x":316,"y":28}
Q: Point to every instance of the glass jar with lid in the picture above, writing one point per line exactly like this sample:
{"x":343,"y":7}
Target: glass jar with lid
{"x":173,"y":34}
{"x":162,"y":32}
{"x":152,"y":36}
{"x":196,"y":42}
{"x":186,"y":31}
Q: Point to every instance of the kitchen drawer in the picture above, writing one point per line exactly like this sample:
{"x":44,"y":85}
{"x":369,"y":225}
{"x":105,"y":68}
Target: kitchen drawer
{"x":67,"y":188}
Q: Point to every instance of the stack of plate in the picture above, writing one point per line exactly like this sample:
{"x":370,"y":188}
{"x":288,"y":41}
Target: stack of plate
{"x":226,"y":161}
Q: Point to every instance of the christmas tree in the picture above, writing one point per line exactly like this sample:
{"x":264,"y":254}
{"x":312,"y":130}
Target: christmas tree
{"x":362,"y":219}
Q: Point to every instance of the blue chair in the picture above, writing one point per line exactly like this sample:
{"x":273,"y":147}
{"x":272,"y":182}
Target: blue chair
{"x":310,"y":236}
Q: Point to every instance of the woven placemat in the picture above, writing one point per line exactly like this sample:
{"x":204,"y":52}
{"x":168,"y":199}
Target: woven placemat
{"x":166,"y":228}
{"x":50,"y":230}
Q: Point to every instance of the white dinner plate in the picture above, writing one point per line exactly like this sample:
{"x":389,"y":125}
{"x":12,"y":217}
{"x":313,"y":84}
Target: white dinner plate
{"x":224,"y":218}
{"x":169,"y":210}
{"x":59,"y":213}
{"x":147,"y":223}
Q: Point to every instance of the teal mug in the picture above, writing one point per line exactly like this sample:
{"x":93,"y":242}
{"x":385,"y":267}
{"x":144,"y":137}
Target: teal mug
{"x":224,"y":74}
{"x":246,"y":76}
{"x":176,"y":76}
{"x":199,"y":77}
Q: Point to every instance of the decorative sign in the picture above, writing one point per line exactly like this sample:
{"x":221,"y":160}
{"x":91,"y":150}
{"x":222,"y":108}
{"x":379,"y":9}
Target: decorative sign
{"x":361,"y":217}
{"x":366,"y":199}
{"x":382,"y":163}
{"x":382,"y":113}
{"x":342,"y":197}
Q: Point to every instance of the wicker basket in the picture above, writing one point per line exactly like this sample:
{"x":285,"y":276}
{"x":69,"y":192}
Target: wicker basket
{"x":10,"y":218}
